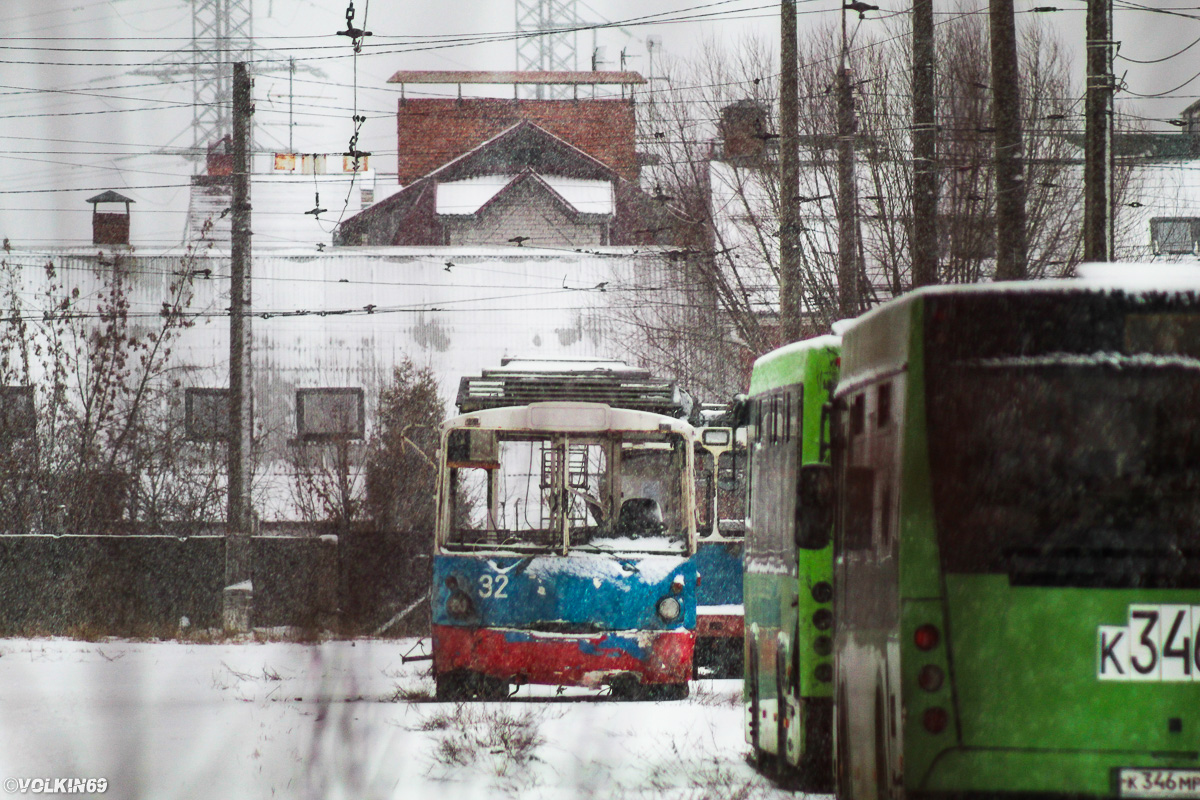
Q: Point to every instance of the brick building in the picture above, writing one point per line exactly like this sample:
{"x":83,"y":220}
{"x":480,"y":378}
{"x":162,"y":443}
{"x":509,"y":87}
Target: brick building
{"x":539,"y":173}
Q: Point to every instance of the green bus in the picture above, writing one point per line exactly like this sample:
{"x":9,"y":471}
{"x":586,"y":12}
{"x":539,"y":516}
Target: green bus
{"x":1017,"y":549}
{"x":787,"y":568}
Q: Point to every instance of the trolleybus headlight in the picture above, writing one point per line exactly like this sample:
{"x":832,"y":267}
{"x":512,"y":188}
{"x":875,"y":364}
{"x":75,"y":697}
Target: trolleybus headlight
{"x":930,"y":678}
{"x":822,"y":592}
{"x":822,"y":619}
{"x":677,"y":584}
{"x":926,"y":637}
{"x":459,"y":605}
{"x":935,"y":719}
{"x":669,"y":609}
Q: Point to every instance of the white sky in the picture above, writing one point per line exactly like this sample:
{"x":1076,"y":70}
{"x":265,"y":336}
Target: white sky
{"x":76,"y":121}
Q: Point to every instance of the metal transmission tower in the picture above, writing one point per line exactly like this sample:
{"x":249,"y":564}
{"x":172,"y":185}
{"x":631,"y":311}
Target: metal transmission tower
{"x":222,"y":35}
{"x":548,"y":40}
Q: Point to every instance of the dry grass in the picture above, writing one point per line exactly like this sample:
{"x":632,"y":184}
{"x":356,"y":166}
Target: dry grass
{"x":500,"y":740}
{"x":704,"y":693}
{"x":411,"y":694}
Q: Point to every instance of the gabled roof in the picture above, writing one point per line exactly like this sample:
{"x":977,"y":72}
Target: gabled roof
{"x":467,"y":197}
{"x":524,"y":146}
{"x":432,"y":132}
{"x":534,"y":182}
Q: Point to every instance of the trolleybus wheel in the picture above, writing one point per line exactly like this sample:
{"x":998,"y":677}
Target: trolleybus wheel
{"x":665,"y":691}
{"x":461,"y":685}
{"x":628,"y":687}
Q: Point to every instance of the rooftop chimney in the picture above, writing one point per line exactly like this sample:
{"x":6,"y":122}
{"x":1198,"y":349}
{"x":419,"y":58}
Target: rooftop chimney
{"x":743,"y":129}
{"x":110,"y":227}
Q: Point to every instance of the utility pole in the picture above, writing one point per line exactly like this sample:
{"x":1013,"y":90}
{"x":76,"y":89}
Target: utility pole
{"x":239,"y":522}
{"x":291,"y":101}
{"x":848,"y":304}
{"x":925,"y":167}
{"x":789,"y":179}
{"x":1011,"y":253}
{"x":1098,"y":132}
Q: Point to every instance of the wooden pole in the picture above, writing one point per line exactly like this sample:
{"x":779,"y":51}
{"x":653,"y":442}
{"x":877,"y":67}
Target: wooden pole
{"x":791,"y":325}
{"x":1011,"y":253}
{"x":925,"y":167}
{"x":237,"y":551}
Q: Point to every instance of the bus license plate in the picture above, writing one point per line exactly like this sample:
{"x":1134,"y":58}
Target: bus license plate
{"x":1153,"y":783}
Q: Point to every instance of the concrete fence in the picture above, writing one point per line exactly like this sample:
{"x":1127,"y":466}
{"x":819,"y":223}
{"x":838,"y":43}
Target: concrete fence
{"x":144,"y":585}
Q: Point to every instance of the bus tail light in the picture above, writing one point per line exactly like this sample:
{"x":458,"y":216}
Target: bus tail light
{"x":935,"y":719}
{"x":930,"y":678}
{"x":926,"y":637}
{"x":822,"y":591}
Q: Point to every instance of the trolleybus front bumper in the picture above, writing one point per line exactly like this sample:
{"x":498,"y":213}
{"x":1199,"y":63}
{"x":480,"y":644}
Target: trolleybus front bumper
{"x":566,"y":659}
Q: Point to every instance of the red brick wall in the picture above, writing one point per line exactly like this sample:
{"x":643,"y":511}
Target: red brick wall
{"x":110,"y":228}
{"x":432,"y":132}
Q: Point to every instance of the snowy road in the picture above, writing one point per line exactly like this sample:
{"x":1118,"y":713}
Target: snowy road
{"x":343,"y":719}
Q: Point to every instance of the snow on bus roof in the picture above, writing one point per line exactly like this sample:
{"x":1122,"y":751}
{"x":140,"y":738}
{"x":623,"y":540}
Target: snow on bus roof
{"x":585,"y":365}
{"x":1141,"y":277}
{"x":828,"y":340}
{"x":571,"y":416}
{"x":1129,"y":277}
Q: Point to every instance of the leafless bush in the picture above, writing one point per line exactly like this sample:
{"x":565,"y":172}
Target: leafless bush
{"x":107,"y":447}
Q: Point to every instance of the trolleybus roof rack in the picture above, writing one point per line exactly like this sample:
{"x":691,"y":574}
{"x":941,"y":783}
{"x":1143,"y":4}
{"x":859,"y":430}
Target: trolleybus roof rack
{"x":521,"y":382}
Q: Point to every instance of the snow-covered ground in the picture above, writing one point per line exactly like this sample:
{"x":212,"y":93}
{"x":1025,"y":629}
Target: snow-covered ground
{"x":344,"y":719}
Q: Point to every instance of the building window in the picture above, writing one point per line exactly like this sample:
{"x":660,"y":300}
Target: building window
{"x":1174,"y":235}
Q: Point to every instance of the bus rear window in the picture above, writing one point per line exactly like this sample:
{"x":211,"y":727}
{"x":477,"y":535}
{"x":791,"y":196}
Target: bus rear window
{"x":1072,"y":473}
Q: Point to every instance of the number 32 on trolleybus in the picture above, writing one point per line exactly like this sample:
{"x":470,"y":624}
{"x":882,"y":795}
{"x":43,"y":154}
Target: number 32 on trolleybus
{"x":1017,"y":555}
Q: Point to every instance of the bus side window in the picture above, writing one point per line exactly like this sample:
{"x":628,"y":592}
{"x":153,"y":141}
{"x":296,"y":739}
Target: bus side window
{"x":858,"y":505}
{"x":883,"y":405}
{"x":705,"y":466}
{"x":787,"y":417}
{"x":774,"y":420}
{"x":858,"y":415}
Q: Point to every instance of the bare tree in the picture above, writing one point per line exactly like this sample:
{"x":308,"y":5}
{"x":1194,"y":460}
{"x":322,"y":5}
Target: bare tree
{"x":713,"y":133}
{"x":101,"y":373}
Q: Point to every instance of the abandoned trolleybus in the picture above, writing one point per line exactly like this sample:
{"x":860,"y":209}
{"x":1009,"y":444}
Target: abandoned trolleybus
{"x":565,"y":532}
